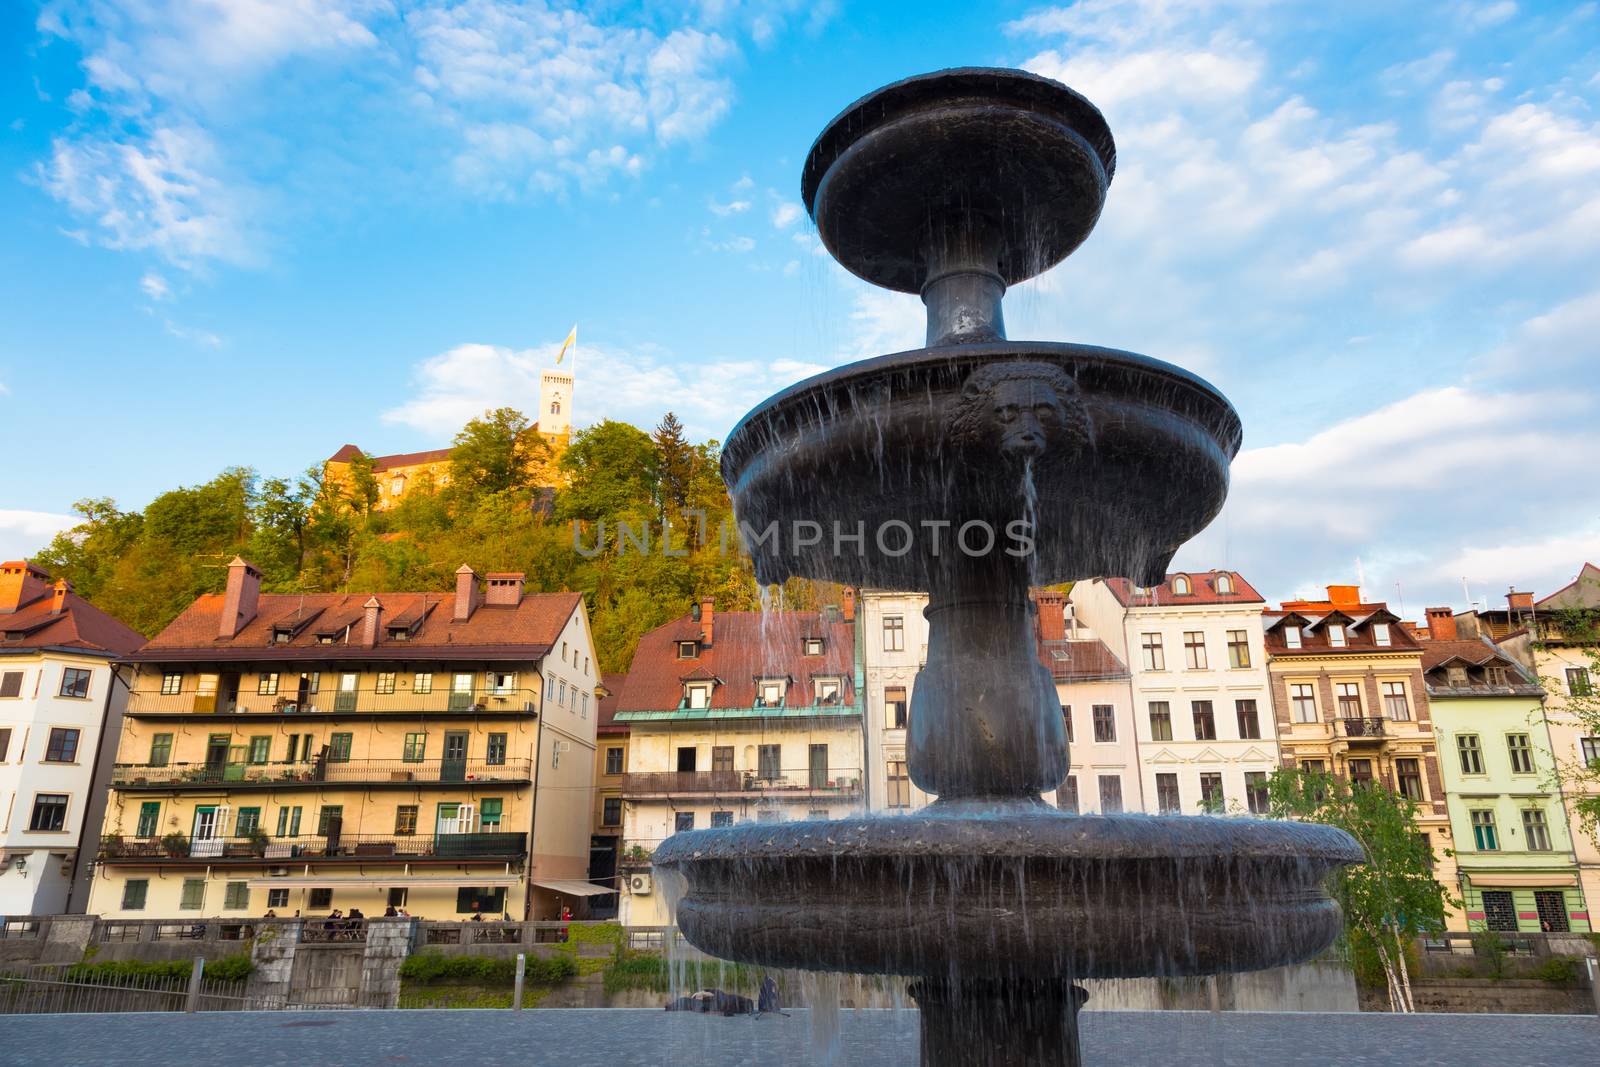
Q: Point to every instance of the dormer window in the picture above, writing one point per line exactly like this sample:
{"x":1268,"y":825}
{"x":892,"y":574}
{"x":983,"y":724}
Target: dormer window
{"x":1224,"y":583}
{"x":1456,"y":677}
{"x":399,"y":633}
{"x":1335,"y":635}
{"x":697,"y":695}
{"x":813,"y":646}
{"x":769,"y":692}
{"x":1180,"y":585}
{"x":688,"y":649}
{"x":1380,"y":634}
{"x":282,"y":635}
{"x":1496,"y":675}
{"x":1291,"y":636}
{"x":829,"y":691}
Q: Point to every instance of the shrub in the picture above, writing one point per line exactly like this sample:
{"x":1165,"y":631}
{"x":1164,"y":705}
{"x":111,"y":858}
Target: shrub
{"x":644,"y":970}
{"x":234,"y":968}
{"x":430,"y":967}
{"x":1558,"y":970}
{"x":1491,"y":948}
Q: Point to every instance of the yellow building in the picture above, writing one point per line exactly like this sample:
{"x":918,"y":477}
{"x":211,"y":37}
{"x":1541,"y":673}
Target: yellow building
{"x":610,"y":765}
{"x":405,"y":472}
{"x":427,"y":751}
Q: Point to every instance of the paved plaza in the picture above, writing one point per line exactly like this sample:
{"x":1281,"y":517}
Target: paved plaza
{"x":620,"y":1038}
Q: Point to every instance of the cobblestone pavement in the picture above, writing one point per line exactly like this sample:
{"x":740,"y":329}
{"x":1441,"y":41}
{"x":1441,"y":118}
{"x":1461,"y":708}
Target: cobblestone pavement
{"x":621,"y":1038}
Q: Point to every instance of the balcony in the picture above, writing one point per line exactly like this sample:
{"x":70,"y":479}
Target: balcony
{"x":357,"y":848}
{"x":357,"y":704}
{"x":800,"y":784}
{"x":1364,"y":730}
{"x":398,"y":774}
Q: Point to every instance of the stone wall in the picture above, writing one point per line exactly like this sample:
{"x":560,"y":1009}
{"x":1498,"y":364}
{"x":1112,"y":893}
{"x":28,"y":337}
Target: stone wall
{"x":1510,"y":996}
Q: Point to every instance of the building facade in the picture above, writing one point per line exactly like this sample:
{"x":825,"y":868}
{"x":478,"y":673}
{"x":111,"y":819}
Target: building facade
{"x":892,"y":645}
{"x":1201,"y":703}
{"x":301,"y":753}
{"x":610,"y":765}
{"x":61,"y":702}
{"x":735,"y":717}
{"x":1515,"y":867}
{"x":1349,"y":698}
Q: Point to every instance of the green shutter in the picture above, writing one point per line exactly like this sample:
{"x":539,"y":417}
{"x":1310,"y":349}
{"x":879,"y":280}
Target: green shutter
{"x":134,"y":891}
{"x":489,"y":809}
{"x":237,"y":897}
{"x":194,"y":894}
{"x":149,"y":819}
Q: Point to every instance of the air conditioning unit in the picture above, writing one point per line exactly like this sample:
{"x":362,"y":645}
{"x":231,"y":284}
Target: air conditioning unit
{"x":640,"y":884}
{"x":278,"y":872}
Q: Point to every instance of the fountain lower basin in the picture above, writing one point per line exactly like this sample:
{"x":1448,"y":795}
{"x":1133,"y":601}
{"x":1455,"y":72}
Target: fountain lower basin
{"x":964,"y":891}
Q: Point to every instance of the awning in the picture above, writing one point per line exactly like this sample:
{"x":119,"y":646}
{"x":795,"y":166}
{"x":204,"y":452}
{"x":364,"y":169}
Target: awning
{"x":1522,"y":881}
{"x":381,"y":881}
{"x":576,"y":889}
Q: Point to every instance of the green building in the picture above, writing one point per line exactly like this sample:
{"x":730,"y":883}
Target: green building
{"x":1514,"y":857}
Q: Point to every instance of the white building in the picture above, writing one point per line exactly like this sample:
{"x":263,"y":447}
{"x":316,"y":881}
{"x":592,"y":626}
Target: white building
{"x":892,"y":642}
{"x":60,"y":711}
{"x":1202,"y":707}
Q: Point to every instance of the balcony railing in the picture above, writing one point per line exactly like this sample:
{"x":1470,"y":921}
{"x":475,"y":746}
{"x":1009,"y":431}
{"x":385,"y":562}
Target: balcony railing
{"x":1364,"y":728}
{"x":335,"y":702}
{"x":360,"y":847}
{"x":803,"y":782}
{"x":135,"y":776}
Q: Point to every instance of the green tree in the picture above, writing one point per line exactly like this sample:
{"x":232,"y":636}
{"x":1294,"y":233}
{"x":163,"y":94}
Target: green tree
{"x":1572,"y":638}
{"x":361,"y":489}
{"x":1392,"y":898}
{"x":675,"y":462}
{"x":498,"y":453}
{"x":613,"y":472}
{"x":282,"y":518}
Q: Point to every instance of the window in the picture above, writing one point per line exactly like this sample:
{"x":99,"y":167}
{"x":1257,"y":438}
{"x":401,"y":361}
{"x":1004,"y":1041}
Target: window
{"x":385,"y":684}
{"x":1313,"y":766}
{"x":1238,"y":648}
{"x":331,"y":816}
{"x":681,"y":821}
{"x":75,"y":683}
{"x":193,"y":897}
{"x":613,"y":761}
{"x":1067,"y":795}
{"x":899,"y":792}
{"x":149,"y":818}
{"x":1180,"y":585}
{"x":1194,"y":650}
{"x":1167,"y":799}
{"x":267,"y":684}
{"x":1304,"y":699}
{"x":1224,"y":583}
{"x":894,"y":633}
{"x":320,"y":899}
{"x":494,"y":750}
{"x":1380,"y":634}
{"x":247,"y":822}
{"x":1408,"y":778}
{"x":1349,"y":695}
{"x":5,"y":742}
{"x":1578,"y":682}
{"x":697,"y":695}
{"x":1521,"y":753}
{"x":1211,"y":798}
{"x":260,"y":749}
{"x":236,"y":897}
{"x":1395,"y":705}
{"x":688,"y":649}
{"x":490,"y":810}
{"x":1155,"y":658}
{"x":1496,"y":676}
{"x":416,"y":745}
{"x":894,"y":707}
{"x":1105,"y":725}
{"x":1066,"y":722}
{"x":1160,"y":721}
{"x":1456,"y":677}
{"x":722,"y":758}
{"x":827,"y":690}
{"x":561,"y":692}
{"x":289,"y":821}
{"x":171,"y":683}
{"x":397,"y":897}
{"x":62,"y":746}
{"x":1336,"y":635}
{"x":1249,"y":719}
{"x":770,"y":762}
{"x":134,"y":893}
{"x":1291,"y":637}
{"x":1535,"y":831}
{"x":1483,"y":832}
{"x":1110,"y":794}
{"x":1551,"y":904}
{"x":405,"y":820}
{"x":688,"y":759}
{"x":1470,"y":754}
{"x":813,"y":646}
{"x":1256,"y":795}
{"x":422,"y":682}
{"x":769,"y":695}
{"x":339,"y":748}
{"x":1205,"y":720}
{"x":1591,"y":751}
{"x":278,"y":898}
{"x":721,"y":818}
{"x":1499,"y":911}
{"x":1360,"y":772}
{"x":611,"y":812}
{"x":11,"y":684}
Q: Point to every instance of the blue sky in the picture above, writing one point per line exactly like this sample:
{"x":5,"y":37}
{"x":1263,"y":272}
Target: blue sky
{"x":248,"y":231}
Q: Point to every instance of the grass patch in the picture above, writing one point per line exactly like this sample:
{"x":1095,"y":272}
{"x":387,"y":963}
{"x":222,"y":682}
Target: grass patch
{"x":234,"y":968}
{"x":428,"y":968}
{"x":466,"y":995}
{"x":650,"y":972}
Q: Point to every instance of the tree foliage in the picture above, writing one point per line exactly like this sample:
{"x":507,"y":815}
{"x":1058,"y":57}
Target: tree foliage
{"x":1575,"y":703}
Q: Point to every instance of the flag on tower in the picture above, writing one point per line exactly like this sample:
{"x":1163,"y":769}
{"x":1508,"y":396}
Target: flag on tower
{"x":572,"y":339}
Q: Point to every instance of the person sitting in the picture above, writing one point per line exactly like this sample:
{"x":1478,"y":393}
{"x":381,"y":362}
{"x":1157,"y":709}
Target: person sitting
{"x":390,"y":913}
{"x":355,"y":915}
{"x":270,"y":914}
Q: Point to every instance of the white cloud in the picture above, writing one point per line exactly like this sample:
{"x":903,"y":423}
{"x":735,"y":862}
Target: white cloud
{"x":732,"y":207}
{"x":24,"y":533}
{"x":154,"y":286}
{"x":195,"y":336}
{"x":786,"y":214}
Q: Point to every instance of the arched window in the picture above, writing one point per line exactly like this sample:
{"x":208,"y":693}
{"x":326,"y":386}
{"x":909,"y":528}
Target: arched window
{"x":555,"y":407}
{"x":1224,"y":583}
{"x":1180,"y":585}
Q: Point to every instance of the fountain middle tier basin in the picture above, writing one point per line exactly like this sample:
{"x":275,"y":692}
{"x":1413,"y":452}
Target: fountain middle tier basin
{"x":1031,"y":891}
{"x":898,"y":471}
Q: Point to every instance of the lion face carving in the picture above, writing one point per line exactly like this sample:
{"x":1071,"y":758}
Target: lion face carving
{"x":1021,"y":409}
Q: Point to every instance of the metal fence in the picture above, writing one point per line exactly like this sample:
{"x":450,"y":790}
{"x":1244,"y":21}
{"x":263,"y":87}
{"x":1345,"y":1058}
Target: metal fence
{"x":42,"y":989}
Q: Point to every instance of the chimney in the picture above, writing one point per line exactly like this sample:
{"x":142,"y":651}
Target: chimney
{"x":1052,"y":615}
{"x":369,"y":622}
{"x":1344,"y":596}
{"x":21,"y":583}
{"x":240,"y":600}
{"x":707,"y":611}
{"x":59,"y":603}
{"x":1519,"y":602}
{"x":466,"y":593}
{"x":505,"y":590}
{"x":847,"y":604}
{"x":1441,"y":624}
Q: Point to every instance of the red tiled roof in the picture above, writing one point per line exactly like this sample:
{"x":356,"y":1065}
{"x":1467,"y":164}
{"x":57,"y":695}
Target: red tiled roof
{"x":523,"y":631}
{"x":606,"y":710}
{"x":741,"y":650}
{"x":1080,"y":661}
{"x":1202,"y":590}
{"x":345,"y":454}
{"x":399,"y":459}
{"x":80,"y":625}
{"x":1477,"y":653}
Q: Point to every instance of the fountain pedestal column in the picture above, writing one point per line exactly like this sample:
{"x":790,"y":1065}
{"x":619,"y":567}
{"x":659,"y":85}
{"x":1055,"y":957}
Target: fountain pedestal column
{"x":1002,"y":1022}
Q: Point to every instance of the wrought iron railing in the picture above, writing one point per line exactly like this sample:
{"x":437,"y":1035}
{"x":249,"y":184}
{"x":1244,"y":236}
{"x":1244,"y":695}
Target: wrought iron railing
{"x":133,"y":776}
{"x":1366,"y":727}
{"x":344,"y":846}
{"x":805,"y":780}
{"x":332,"y":701}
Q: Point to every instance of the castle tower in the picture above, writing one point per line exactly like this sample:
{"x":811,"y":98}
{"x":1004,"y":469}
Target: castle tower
{"x":555,"y":404}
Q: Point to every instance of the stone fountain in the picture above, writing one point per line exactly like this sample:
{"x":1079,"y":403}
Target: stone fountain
{"x":974,"y":469}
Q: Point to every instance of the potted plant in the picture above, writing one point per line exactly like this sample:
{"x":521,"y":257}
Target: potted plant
{"x":258,"y":840}
{"x":175,"y":844}
{"x":110,"y":845}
